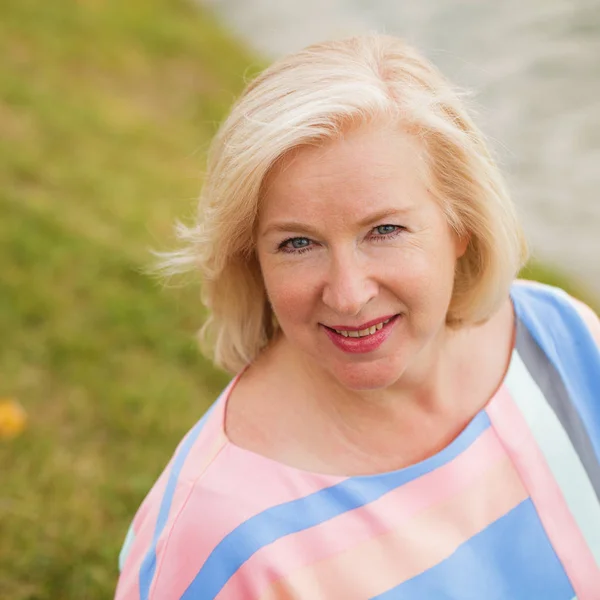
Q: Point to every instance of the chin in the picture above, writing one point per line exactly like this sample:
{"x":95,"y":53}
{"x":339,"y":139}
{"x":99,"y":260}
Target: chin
{"x":368,"y":376}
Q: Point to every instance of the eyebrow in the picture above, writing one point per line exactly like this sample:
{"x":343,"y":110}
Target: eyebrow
{"x":298,"y":226}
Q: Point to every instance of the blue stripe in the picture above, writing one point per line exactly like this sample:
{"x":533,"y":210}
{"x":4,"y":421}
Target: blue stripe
{"x":561,"y":333}
{"x":511,"y":559}
{"x":276,"y":522}
{"x":148,"y":566}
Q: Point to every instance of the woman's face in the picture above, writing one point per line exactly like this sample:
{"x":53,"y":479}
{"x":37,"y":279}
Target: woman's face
{"x":357,"y":257}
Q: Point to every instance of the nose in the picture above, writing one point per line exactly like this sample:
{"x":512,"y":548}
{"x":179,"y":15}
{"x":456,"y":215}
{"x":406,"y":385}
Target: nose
{"x":350,"y":285}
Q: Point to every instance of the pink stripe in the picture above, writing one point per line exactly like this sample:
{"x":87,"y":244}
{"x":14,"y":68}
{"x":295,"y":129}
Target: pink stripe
{"x":398,"y":506}
{"x":209,"y":486}
{"x":566,"y":538}
{"x":418,"y":544}
{"x":128,"y":586}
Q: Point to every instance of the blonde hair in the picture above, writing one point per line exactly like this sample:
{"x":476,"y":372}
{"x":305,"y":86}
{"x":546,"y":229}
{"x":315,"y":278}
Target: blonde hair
{"x":308,"y":98}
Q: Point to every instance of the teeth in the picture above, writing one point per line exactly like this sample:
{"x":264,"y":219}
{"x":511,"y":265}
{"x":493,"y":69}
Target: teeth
{"x":363,"y":332}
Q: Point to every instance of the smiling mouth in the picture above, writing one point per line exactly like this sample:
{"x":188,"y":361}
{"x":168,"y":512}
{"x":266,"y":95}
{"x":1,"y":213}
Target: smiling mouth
{"x":358,"y":333}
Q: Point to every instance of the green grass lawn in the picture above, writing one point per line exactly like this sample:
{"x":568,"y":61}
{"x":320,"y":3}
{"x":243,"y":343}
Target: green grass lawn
{"x":106,"y":110}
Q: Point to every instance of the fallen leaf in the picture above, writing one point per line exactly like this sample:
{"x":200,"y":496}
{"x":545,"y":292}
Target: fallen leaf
{"x":13,"y":418}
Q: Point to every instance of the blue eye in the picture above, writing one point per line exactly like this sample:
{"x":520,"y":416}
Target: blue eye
{"x":298,"y":243}
{"x":386,"y":229}
{"x":386,"y":232}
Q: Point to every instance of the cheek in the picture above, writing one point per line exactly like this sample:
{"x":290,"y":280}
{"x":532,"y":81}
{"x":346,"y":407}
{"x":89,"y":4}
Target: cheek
{"x":410,"y":272}
{"x":422,"y":280}
{"x":292,"y":292}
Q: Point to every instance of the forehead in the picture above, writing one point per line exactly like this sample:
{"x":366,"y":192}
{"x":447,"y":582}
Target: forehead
{"x":345,"y":177}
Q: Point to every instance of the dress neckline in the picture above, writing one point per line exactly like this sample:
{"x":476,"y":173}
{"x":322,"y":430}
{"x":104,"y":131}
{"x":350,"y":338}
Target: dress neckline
{"x":459,"y":443}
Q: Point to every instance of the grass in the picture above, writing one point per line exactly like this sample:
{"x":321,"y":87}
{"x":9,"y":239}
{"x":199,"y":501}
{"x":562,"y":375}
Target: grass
{"x":106,"y":109}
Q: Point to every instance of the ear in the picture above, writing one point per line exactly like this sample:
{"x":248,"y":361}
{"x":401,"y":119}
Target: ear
{"x":461,"y":244}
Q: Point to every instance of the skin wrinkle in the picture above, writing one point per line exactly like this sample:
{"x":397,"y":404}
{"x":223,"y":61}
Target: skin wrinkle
{"x":295,"y":227}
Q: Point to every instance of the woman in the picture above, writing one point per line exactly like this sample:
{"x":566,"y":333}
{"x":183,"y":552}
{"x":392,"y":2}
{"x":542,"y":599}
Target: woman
{"x":406,"y":422}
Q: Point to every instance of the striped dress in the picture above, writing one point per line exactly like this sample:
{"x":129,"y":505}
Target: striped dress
{"x":508,"y":511}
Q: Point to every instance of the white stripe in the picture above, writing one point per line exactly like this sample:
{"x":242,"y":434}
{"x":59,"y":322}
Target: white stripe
{"x":129,"y":539}
{"x":562,"y":459}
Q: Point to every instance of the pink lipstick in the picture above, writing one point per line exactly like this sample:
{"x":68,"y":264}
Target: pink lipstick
{"x":364,"y":343}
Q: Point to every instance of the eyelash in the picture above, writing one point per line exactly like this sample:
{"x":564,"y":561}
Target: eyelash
{"x":283,"y":247}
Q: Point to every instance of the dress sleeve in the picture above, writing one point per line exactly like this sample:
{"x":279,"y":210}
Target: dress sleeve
{"x":590,"y":318}
{"x":187,"y":556}
{"x":136,"y":553}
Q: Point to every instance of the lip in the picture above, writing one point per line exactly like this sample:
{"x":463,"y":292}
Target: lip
{"x":362,"y":345}
{"x":363,"y":326}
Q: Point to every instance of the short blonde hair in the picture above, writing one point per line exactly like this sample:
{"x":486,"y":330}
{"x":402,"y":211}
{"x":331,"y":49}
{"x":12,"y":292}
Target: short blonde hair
{"x":308,"y":98}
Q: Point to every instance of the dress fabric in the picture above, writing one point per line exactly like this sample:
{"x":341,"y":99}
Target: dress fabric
{"x":509,"y":510}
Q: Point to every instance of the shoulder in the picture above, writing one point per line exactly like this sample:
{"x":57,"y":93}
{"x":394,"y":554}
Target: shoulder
{"x":182,"y":516}
{"x":549,"y":309}
{"x":558,"y":339}
{"x":209,"y":513}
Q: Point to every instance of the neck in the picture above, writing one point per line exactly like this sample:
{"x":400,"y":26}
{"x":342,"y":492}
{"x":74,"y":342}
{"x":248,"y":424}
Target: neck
{"x":369,"y":425}
{"x":329,"y":428}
